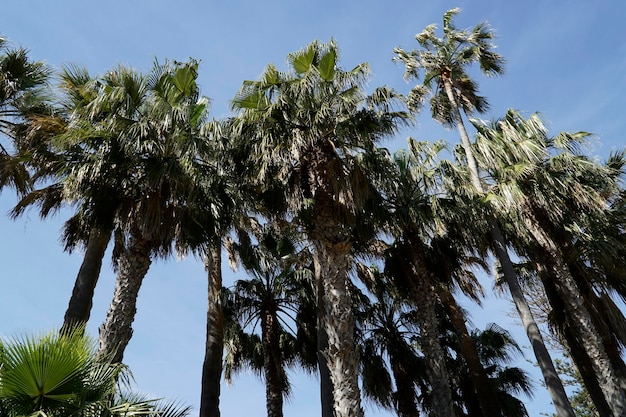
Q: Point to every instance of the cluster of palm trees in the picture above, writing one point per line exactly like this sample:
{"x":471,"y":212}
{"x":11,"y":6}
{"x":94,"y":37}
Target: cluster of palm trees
{"x":356,"y":256}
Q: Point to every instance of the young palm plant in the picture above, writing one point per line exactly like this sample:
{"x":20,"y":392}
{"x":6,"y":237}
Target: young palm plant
{"x":57,"y":375}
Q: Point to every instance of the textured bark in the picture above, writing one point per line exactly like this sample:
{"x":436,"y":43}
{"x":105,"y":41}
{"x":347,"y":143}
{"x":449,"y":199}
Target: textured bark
{"x":577,"y":353}
{"x":332,"y":244}
{"x":117,"y":330}
{"x":272,"y":366}
{"x":550,"y":375}
{"x":214,"y":347}
{"x":79,"y":307}
{"x":577,"y":317}
{"x":326,"y":385}
{"x":425,"y":296}
{"x":598,"y":307}
{"x":331,"y":262}
{"x":485,"y":391}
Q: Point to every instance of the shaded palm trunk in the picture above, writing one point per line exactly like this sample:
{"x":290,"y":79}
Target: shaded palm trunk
{"x":485,"y":391}
{"x":133,"y":264}
{"x":79,"y":307}
{"x":404,"y":396}
{"x":425,"y":297}
{"x":214,"y":347}
{"x":272,"y":366}
{"x":331,"y":269}
{"x":600,"y":308}
{"x":550,"y":375}
{"x":576,"y":352}
{"x":326,"y":385}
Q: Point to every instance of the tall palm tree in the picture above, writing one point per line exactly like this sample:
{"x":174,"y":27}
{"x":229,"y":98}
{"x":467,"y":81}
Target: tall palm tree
{"x":412,"y":195}
{"x":166,"y":179}
{"x":392,"y":351}
{"x":553,"y":192}
{"x":311,"y":128}
{"x":444,"y":62}
{"x":136,"y":138}
{"x":222,"y":205}
{"x":82,"y":143}
{"x":270,"y":299}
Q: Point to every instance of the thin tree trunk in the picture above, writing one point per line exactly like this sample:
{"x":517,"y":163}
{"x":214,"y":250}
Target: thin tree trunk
{"x":331,"y":265}
{"x":550,"y":375}
{"x":272,"y":366}
{"x":214,"y":348}
{"x":116,"y":332}
{"x":484,"y":388}
{"x":79,"y":307}
{"x":599,"y":307}
{"x":578,"y":317}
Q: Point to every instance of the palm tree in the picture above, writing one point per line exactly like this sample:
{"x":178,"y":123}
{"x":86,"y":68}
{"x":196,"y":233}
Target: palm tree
{"x":82,"y":142}
{"x":166,"y":181}
{"x":413,"y":220}
{"x":496,"y":348}
{"x":311,"y":128}
{"x":551,"y":186}
{"x":60,"y":375}
{"x":271,"y":299}
{"x":390,"y":359}
{"x":131,"y":162}
{"x":392,"y":351}
{"x":444,"y":62}
{"x":23,"y":101}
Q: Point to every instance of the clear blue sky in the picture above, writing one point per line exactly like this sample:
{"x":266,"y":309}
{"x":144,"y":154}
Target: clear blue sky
{"x":566,"y":60}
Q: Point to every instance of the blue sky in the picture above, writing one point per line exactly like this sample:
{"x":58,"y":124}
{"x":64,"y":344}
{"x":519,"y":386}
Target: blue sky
{"x":566,"y":60}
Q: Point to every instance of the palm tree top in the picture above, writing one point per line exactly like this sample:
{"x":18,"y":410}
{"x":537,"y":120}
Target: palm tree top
{"x":457,"y":49}
{"x":446,"y":59}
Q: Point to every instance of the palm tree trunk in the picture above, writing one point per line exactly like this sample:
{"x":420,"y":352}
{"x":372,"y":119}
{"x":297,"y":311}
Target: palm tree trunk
{"x":274,"y":383}
{"x":331,"y":267}
{"x":214,"y":348}
{"x":578,"y":317}
{"x":550,"y":375}
{"x":79,"y":307}
{"x":600,"y":307}
{"x":585,"y":368}
{"x":576,"y":352}
{"x":480,"y":381}
{"x":425,"y":297}
{"x":133,"y":264}
{"x":326,"y":385}
{"x":405,"y":393}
